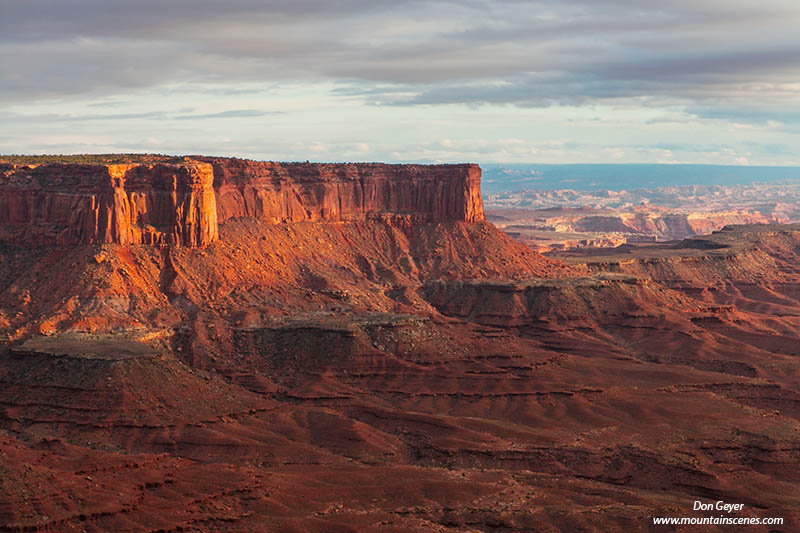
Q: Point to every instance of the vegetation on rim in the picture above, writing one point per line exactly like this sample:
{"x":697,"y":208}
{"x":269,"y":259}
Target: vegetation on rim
{"x":92,"y":159}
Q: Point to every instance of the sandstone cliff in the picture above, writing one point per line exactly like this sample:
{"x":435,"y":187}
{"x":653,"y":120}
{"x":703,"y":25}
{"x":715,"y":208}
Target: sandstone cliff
{"x":183,"y":203}
{"x":293,"y":192}
{"x":124,"y":204}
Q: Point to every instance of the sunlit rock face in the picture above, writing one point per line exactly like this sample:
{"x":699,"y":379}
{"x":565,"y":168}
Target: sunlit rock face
{"x":294,"y":192}
{"x":183,"y":204}
{"x":124,"y":204}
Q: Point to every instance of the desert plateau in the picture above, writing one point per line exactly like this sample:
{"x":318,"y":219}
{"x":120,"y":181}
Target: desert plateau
{"x":208,"y":343}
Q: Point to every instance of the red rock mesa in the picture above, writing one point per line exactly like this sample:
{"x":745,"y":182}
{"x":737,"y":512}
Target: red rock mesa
{"x":185,"y":203}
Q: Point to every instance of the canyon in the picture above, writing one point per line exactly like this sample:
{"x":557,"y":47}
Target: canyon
{"x":206,"y":343}
{"x":562,"y":219}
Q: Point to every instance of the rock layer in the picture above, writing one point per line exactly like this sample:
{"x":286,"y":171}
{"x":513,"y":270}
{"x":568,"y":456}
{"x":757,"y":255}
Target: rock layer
{"x":183,"y":204}
{"x":124,"y":204}
{"x":294,"y":192}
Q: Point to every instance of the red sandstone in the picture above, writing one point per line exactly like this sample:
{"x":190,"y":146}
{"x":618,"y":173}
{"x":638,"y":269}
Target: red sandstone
{"x":184,"y":203}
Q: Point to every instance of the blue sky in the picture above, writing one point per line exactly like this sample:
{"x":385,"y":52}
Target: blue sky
{"x":707,"y":81}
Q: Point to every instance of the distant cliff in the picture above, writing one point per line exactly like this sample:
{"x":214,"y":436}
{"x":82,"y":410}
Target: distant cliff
{"x":184,"y":203}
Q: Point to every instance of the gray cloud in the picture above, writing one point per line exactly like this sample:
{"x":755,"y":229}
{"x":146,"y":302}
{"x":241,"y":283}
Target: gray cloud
{"x":56,"y":118}
{"x":710,"y":54}
{"x":233,"y":113}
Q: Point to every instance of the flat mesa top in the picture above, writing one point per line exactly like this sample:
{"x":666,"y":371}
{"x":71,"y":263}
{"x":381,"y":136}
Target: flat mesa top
{"x":104,"y":348}
{"x":152,"y":159}
{"x":92,"y":159}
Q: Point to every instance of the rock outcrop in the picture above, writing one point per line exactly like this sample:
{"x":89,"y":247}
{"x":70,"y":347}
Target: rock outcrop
{"x":125,"y":204}
{"x":294,"y":192}
{"x":184,"y":203}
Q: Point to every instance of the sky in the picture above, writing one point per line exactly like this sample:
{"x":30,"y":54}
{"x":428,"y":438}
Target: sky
{"x":569,"y":81}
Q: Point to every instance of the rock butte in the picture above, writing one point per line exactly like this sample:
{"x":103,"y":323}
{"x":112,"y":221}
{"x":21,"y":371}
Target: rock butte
{"x":184,"y":203}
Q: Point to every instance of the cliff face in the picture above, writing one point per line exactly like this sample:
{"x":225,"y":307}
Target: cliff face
{"x":184,"y":203}
{"x":294,"y":192}
{"x":124,"y":204}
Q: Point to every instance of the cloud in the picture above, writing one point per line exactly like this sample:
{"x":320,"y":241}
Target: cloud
{"x":530,"y":53}
{"x":52,"y":118}
{"x":233,"y":113}
{"x":405,"y":79}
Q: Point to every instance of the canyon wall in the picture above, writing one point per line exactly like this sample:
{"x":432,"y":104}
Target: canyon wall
{"x":164,"y":204}
{"x":294,"y":192}
{"x":126,"y":204}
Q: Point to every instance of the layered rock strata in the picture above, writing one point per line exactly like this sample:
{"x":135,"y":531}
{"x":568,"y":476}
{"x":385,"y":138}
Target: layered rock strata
{"x":295,"y":192}
{"x":124,"y":204}
{"x":183,"y":204}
